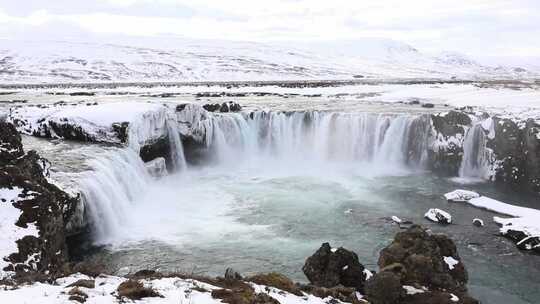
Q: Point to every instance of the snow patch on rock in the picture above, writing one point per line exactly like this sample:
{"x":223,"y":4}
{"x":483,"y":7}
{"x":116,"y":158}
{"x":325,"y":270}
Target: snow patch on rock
{"x":438,"y":216}
{"x":411,"y":290}
{"x":461,"y":195}
{"x":451,"y":262}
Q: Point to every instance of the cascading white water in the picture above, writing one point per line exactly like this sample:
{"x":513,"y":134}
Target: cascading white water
{"x":475,"y":154}
{"x":316,"y":136}
{"x":108,"y":190}
{"x":175,"y":143}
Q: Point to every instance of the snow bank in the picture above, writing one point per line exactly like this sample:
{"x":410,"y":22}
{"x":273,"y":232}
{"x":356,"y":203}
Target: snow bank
{"x":524,"y":220}
{"x":490,"y":204}
{"x":9,"y":232}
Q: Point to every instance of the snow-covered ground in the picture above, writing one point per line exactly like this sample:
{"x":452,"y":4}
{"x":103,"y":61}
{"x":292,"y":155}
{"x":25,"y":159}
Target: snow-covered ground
{"x":506,"y":101}
{"x":173,"y":290}
{"x":9,"y":232}
{"x":200,"y":60}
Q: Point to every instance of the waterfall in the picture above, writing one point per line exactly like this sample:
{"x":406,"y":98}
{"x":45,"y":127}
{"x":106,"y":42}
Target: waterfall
{"x":475,"y":154}
{"x":152,"y":125}
{"x":312,"y":135}
{"x":107,"y":191}
{"x":175,"y":143}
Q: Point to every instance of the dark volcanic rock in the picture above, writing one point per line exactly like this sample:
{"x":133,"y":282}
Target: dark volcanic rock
{"x":423,"y":256}
{"x":450,"y":128}
{"x":517,"y":153}
{"x":10,"y":144}
{"x":121,"y":130}
{"x":41,"y":203}
{"x":385,"y":288}
{"x":82,"y":94}
{"x":158,"y":148}
{"x":452,"y":123}
{"x":418,"y":267}
{"x":329,"y":267}
{"x":223,"y":108}
{"x":135,"y":290}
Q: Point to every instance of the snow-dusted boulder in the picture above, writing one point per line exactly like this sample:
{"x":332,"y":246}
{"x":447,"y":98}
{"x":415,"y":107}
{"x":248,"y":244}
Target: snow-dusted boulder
{"x":461,"y":195}
{"x":478,"y":222}
{"x":524,"y":231}
{"x":419,"y":267}
{"x":438,"y":216}
{"x":329,"y":267}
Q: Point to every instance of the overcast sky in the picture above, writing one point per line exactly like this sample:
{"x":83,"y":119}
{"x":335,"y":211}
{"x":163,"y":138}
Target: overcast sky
{"x":475,"y":27}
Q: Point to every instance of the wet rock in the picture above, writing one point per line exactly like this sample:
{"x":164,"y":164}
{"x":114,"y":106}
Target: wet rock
{"x":438,"y":216}
{"x":329,"y":267}
{"x":231,"y":274}
{"x":121,"y":130}
{"x":445,"y":155}
{"x":384,"y":288}
{"x":418,"y":267}
{"x":135,"y":290}
{"x":478,"y":222}
{"x":423,"y":258}
{"x":159,"y":148}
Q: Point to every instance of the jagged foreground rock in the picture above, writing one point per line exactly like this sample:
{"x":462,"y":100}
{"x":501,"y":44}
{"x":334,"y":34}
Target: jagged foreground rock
{"x":330,"y":267}
{"x":419,"y":267}
{"x":38,"y":211}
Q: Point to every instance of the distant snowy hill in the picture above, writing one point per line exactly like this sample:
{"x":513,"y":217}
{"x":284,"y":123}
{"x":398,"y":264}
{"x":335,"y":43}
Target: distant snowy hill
{"x":203,"y":60}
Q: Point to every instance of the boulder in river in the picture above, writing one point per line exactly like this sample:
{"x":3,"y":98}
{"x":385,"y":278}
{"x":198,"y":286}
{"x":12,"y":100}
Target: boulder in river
{"x":329,"y":267}
{"x":438,"y":216}
{"x":418,"y":267}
